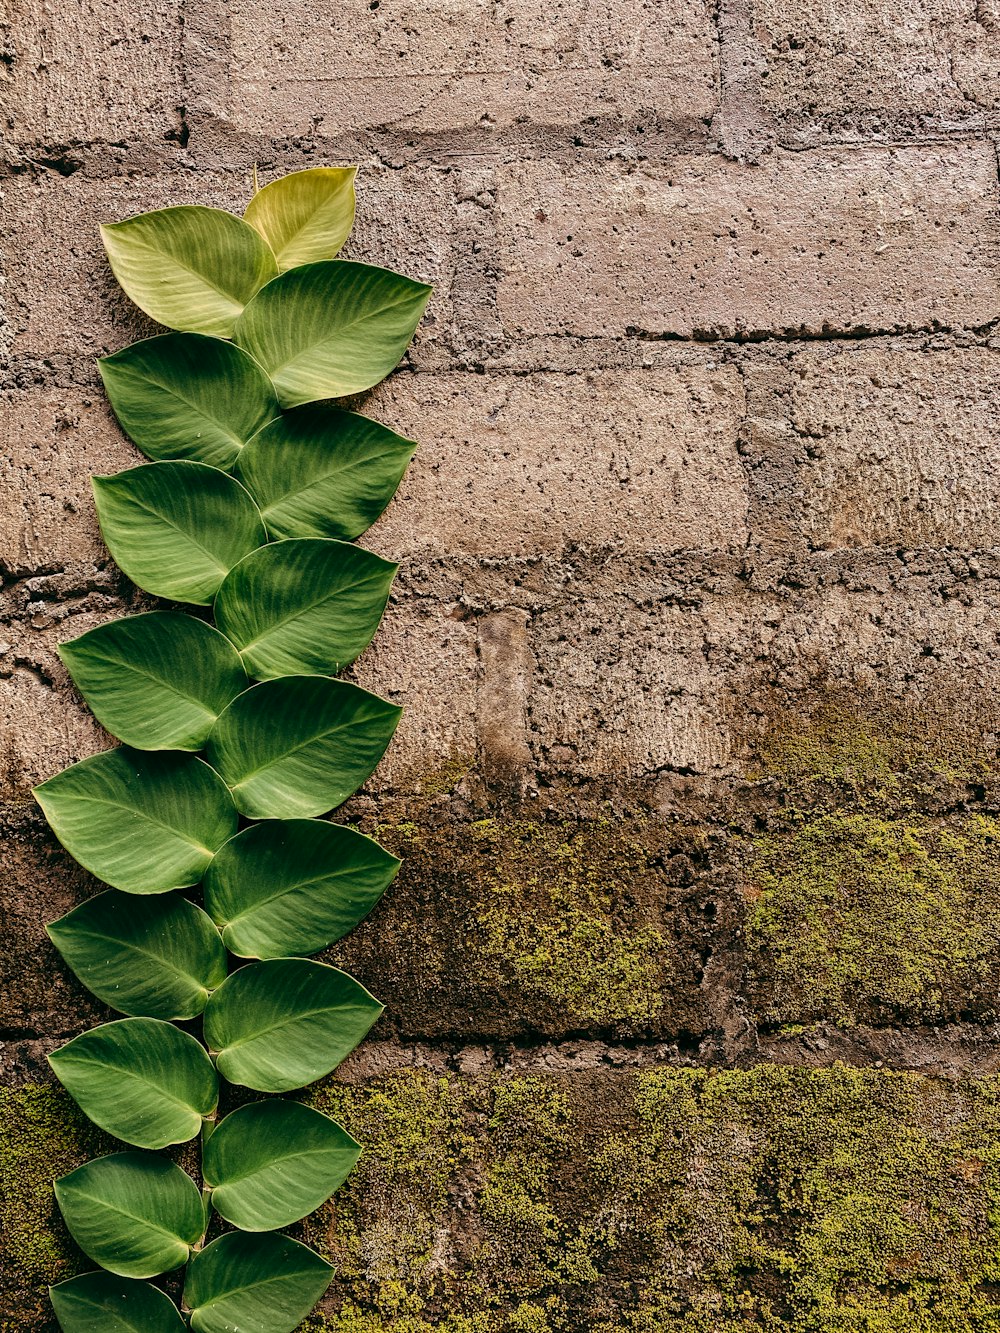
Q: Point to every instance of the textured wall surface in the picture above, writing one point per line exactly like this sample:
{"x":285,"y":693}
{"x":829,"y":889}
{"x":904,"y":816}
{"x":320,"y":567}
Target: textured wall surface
{"x":693,"y":970}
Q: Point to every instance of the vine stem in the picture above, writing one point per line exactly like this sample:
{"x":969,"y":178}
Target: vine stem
{"x":207,"y":1130}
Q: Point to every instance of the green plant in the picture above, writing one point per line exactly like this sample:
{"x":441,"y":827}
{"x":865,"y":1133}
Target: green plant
{"x":257,"y":489}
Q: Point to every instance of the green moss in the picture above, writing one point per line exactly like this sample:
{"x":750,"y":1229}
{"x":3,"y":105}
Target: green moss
{"x":851,"y":916}
{"x":42,"y":1135}
{"x":545,"y":1317}
{"x":381,"y":1228}
{"x":842,"y":1199}
{"x":550,"y":915}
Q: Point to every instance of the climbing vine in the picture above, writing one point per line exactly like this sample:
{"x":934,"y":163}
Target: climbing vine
{"x":237,"y":738}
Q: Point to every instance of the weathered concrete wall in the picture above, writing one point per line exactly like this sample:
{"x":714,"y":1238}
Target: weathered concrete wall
{"x":693,"y":969}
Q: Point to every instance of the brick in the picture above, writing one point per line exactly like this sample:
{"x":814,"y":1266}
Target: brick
{"x":64,"y":302}
{"x":826,"y":240}
{"x":629,"y":684}
{"x":878,"y":59}
{"x":884,"y":446}
{"x":58,"y":439}
{"x":405,"y":65}
{"x":529,"y":465}
{"x":101,"y":70}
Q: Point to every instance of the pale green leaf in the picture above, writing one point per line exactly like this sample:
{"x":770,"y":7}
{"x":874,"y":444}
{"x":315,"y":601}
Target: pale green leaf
{"x":318,"y":471}
{"x":144,"y":823}
{"x":190,"y":268}
{"x":271,"y":1163}
{"x":177,"y":529}
{"x":305,"y":216}
{"x":135,"y":1214}
{"x":186,"y":396}
{"x":140,"y":1079}
{"x":157,"y":681}
{"x":281,"y":1024}
{"x":293,"y":886}
{"x":104,"y":1303}
{"x":303,"y":606}
{"x":254,"y":1284}
{"x":331,"y":329}
{"x":154,"y":957}
{"x":300,"y":745}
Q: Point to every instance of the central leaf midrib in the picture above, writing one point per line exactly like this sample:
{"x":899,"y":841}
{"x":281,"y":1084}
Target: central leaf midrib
{"x":282,"y":1023}
{"x":275,"y":625}
{"x":287,"y":754}
{"x":168,"y":964}
{"x":333,"y":475}
{"x":143,"y":814}
{"x":167,"y":685}
{"x":133,"y":1217}
{"x":183,"y":532}
{"x":337,"y":336}
{"x":272,"y":1163}
{"x":125,"y":1072}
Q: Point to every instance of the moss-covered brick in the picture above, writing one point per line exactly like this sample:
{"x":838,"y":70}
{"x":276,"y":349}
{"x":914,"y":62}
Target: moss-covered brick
{"x":873,"y":893}
{"x":507,"y":927}
{"x":758,"y":1200}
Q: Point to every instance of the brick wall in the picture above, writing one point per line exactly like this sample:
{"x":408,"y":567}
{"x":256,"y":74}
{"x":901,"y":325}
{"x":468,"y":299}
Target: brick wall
{"x":692,"y":970}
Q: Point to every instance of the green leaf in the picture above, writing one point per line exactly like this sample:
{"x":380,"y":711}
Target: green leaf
{"x":300,"y":745}
{"x":305,"y":216}
{"x":190,"y":268}
{"x":318,"y":471}
{"x":331,"y":329}
{"x":133,"y":1213}
{"x":254,"y":1284}
{"x":104,"y":1303}
{"x":304,"y":606}
{"x":155,"y":957}
{"x":157,"y":681}
{"x":293,"y":886}
{"x":271,"y":1163}
{"x":140,"y":1079}
{"x":144,"y":823}
{"x":281,"y":1024}
{"x":177,"y":529}
{"x":182,"y":395}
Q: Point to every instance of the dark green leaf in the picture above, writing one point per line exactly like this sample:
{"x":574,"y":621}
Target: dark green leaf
{"x":189,"y":267}
{"x":135,"y":1214}
{"x":291,"y":886}
{"x":151,"y":957}
{"x":254,"y":1284}
{"x":271,"y":1163}
{"x":104,"y":1303}
{"x":306,"y":215}
{"x":330,"y":329}
{"x":318,"y":471}
{"x":177,"y":529}
{"x":156,"y":681}
{"x":144,"y":823}
{"x":299,"y":746}
{"x":282,"y":1024}
{"x":303,"y":606}
{"x":183,"y":395}
{"x":140,"y":1079}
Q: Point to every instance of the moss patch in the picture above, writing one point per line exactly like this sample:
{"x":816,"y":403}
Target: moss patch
{"x":42,"y":1136}
{"x":853,"y":917}
{"x":551,"y":913}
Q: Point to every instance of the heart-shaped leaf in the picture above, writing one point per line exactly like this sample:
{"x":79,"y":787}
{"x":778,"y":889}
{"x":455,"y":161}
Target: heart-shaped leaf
{"x":189,"y":267}
{"x":293,"y":886}
{"x":303,"y":606}
{"x":157,"y":681}
{"x":104,"y":1303}
{"x":144,"y":823}
{"x":183,"y":395}
{"x":271,"y":1163}
{"x":261,"y":1284}
{"x":305,"y":216}
{"x":318,"y":471}
{"x":135,"y":1214}
{"x":177,"y":529}
{"x":330,"y":329}
{"x":282,"y":1024}
{"x":155,"y":957}
{"x":140,"y":1079}
{"x":300,"y":745}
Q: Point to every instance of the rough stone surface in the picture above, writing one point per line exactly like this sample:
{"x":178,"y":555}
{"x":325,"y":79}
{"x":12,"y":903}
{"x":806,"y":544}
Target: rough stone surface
{"x":465,"y":63}
{"x":691,"y":968}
